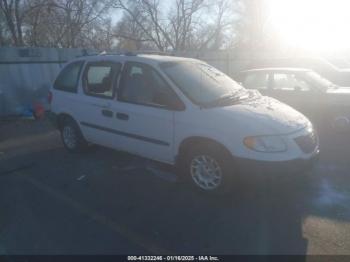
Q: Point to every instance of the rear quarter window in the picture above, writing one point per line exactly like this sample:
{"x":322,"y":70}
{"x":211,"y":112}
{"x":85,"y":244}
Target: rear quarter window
{"x":68,"y":78}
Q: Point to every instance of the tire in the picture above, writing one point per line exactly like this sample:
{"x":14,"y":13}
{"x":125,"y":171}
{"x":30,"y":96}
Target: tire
{"x":72,"y":137}
{"x":340,"y":124}
{"x":208,"y":168}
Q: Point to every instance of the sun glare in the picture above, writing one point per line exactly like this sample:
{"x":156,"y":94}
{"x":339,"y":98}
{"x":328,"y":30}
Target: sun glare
{"x":319,"y":25}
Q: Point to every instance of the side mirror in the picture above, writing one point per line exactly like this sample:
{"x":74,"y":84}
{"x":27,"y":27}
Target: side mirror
{"x":175,"y":104}
{"x":171,"y":102}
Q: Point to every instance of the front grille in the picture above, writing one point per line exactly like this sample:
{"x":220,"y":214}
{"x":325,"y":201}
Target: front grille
{"x":307,"y":143}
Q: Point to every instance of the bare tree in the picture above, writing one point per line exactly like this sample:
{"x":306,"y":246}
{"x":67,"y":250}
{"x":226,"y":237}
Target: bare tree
{"x":145,"y":15}
{"x":3,"y":31}
{"x":186,"y":24}
{"x":152,"y":24}
{"x":183,"y":21}
{"x":162,"y":31}
{"x":37,"y":23}
{"x":74,"y":15}
{"x":128,"y":33}
{"x":218,"y":31}
{"x":13,"y":11}
{"x":60,"y":23}
{"x":97,"y":35}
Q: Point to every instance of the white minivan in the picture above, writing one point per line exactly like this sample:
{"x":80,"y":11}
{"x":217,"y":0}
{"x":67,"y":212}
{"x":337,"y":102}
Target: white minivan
{"x":179,"y":111}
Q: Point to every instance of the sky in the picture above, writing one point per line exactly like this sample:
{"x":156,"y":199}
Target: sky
{"x":311,"y":24}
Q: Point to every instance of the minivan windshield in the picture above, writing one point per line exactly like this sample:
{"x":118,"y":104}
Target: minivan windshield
{"x":202,"y":83}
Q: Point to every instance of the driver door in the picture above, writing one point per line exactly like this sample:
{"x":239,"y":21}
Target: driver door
{"x":145,"y":112}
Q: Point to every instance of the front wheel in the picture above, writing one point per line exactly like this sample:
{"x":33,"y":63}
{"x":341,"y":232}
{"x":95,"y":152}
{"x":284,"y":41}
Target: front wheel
{"x":209,"y":168}
{"x":341,"y":124}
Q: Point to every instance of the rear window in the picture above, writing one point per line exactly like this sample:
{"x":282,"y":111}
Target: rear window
{"x":67,"y":80}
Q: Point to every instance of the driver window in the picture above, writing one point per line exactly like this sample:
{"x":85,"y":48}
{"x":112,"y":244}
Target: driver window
{"x":141,"y":84}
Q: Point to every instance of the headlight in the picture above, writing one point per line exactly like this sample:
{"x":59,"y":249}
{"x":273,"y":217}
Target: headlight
{"x":270,"y":144}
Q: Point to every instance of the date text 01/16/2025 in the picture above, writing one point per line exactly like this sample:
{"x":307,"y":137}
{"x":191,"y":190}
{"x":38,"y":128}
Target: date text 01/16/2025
{"x":173,"y":258}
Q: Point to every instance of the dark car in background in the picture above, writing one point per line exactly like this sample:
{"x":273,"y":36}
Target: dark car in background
{"x":338,"y":73}
{"x":321,"y":100}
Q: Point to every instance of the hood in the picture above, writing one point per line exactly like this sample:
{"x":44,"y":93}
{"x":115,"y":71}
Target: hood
{"x":266,"y":116}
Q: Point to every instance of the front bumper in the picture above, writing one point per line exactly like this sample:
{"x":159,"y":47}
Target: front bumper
{"x":278,"y":168}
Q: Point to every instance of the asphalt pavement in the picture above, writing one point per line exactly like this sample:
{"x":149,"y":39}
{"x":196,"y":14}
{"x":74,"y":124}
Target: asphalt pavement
{"x":109,"y":202}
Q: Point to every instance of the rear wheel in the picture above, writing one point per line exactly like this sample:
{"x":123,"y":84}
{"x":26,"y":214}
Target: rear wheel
{"x":209,"y":168}
{"x":72,"y":137}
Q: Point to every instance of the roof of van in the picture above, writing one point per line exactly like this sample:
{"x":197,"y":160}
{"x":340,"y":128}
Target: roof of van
{"x":164,"y":58}
{"x":138,"y":58}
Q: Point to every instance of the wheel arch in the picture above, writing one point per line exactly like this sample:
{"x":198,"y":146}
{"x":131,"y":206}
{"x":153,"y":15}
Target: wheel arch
{"x":63,"y":116}
{"x":195,"y":140}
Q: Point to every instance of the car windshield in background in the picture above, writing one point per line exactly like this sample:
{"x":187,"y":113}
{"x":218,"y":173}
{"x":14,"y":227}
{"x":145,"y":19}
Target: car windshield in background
{"x":316,"y":79}
{"x":202,"y":83}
